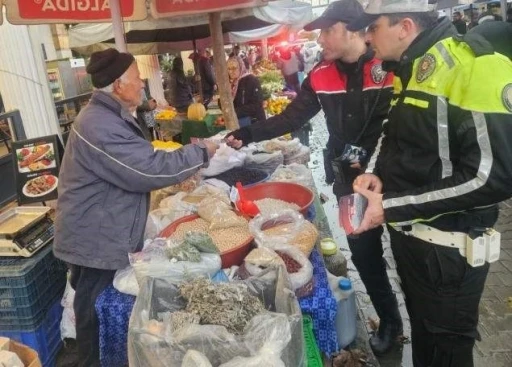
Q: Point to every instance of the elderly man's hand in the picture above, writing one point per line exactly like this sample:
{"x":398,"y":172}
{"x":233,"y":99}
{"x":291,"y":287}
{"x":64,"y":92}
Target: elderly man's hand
{"x":211,"y":147}
{"x":374,"y":214}
{"x":368,"y":181}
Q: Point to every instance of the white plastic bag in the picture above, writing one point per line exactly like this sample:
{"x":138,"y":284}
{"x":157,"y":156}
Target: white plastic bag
{"x":266,"y":351}
{"x":225,"y":158}
{"x":68,"y":322}
{"x":126,"y":282}
{"x":159,"y":219}
{"x":10,"y":359}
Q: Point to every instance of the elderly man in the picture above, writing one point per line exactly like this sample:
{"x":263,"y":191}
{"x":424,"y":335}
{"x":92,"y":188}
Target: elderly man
{"x":107,"y":173}
{"x":443,"y":167}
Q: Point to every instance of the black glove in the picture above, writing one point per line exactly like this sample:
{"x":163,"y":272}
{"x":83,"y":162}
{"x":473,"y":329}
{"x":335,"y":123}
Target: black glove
{"x":244,"y":134}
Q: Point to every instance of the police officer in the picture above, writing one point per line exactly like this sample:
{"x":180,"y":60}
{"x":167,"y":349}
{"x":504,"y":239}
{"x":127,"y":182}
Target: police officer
{"x":443,"y":167}
{"x":354,"y":93}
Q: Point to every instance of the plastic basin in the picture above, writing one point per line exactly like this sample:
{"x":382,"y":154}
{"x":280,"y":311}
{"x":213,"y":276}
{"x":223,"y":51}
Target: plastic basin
{"x":235,"y":256}
{"x":286,"y":191}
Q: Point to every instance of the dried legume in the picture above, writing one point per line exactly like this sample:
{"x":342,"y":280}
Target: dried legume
{"x":269,"y":205}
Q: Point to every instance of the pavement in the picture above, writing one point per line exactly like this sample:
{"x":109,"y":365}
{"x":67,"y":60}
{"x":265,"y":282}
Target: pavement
{"x":495,"y":326}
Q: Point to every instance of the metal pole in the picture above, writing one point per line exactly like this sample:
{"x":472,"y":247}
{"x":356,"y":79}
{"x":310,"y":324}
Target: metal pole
{"x":264,"y":48}
{"x":117,"y":25}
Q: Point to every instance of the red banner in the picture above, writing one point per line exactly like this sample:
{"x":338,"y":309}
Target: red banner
{"x":162,"y":8}
{"x":70,"y":11}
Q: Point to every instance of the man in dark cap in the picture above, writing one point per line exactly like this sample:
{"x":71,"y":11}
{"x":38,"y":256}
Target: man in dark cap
{"x":107,"y":173}
{"x":354,"y":93}
{"x":443,"y":168}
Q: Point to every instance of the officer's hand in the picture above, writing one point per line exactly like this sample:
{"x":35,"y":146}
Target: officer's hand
{"x":368,"y":181}
{"x":234,"y":143}
{"x":356,"y":165}
{"x":374,"y":214}
{"x":211,"y":147}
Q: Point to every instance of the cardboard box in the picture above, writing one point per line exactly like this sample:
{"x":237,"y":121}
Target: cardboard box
{"x":27,"y":355}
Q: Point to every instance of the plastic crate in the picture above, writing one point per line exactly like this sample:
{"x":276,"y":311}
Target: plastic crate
{"x":199,"y":129}
{"x":45,"y":339}
{"x":28,"y":287}
{"x":312,"y":352}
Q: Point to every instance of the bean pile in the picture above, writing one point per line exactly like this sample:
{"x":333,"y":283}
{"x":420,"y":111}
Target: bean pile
{"x":225,"y":239}
{"x":304,"y":239}
{"x":292,"y":266}
{"x":269,"y":205}
{"x":246,"y":176}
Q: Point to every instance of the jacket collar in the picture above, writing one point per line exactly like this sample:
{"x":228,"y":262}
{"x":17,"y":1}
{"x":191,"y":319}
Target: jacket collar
{"x":422,"y":43}
{"x":110,"y":102}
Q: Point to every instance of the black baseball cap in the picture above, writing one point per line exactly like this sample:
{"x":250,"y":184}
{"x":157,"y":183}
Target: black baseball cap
{"x":345,"y":11}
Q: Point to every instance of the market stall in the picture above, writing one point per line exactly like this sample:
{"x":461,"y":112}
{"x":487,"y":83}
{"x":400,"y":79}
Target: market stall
{"x":202,"y":204}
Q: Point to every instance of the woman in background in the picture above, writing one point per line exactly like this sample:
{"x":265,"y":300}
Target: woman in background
{"x":180,"y":90}
{"x":246,"y":92}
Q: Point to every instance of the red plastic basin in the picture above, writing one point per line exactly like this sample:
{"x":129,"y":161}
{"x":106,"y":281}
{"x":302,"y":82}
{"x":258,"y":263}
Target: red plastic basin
{"x":286,"y":191}
{"x":235,"y":256}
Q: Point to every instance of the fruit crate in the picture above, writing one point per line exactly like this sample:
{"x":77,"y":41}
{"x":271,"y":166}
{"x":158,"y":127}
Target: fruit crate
{"x":45,"y":338}
{"x":28,"y":287}
{"x":313,"y":356}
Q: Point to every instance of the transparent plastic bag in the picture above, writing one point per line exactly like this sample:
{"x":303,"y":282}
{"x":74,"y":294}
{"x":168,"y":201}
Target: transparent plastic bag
{"x":153,"y":261}
{"x":300,"y":156}
{"x":68,"y":321}
{"x":201,"y":241}
{"x":193,"y":358}
{"x":262,"y":160}
{"x":298,"y":279}
{"x":276,"y":228}
{"x":295,"y":173}
{"x":266,"y":352}
{"x":218,"y":212}
{"x":158,"y":296}
{"x":159,"y":219}
{"x":126,"y":282}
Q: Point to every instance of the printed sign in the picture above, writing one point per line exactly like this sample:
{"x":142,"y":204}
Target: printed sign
{"x":36,"y":166}
{"x":163,"y":8}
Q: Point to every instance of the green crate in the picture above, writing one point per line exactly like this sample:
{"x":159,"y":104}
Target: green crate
{"x":312,"y":352}
{"x":199,"y":129}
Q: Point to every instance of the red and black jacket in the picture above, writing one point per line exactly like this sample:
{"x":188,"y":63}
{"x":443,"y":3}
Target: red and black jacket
{"x":349,"y":95}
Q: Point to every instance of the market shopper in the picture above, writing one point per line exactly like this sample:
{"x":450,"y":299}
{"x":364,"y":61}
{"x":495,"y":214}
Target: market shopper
{"x":106,"y":175}
{"x":180,"y":90}
{"x":443,"y":167}
{"x":354,"y":93}
{"x":246,"y":91}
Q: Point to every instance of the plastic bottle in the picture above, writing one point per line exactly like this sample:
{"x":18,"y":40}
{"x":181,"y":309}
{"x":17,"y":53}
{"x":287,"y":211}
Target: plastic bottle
{"x":335,"y":261}
{"x":346,"y":316}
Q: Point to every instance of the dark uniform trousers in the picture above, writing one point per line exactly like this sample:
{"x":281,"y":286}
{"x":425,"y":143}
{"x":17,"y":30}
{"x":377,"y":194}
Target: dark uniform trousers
{"x":88,"y":283}
{"x":442,"y":293}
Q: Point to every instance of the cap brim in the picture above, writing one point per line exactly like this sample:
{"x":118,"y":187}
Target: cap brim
{"x":320,"y":23}
{"x":362,"y":22}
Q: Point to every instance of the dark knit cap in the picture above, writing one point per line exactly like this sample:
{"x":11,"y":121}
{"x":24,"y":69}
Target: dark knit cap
{"x":107,"y":66}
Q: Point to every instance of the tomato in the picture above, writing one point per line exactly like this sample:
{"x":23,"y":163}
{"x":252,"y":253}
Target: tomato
{"x":25,"y":152}
{"x":46,"y":162}
{"x":50,"y":180}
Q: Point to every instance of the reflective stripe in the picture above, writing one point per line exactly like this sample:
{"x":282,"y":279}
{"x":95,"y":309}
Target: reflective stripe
{"x":375,"y":155}
{"x":416,"y":102}
{"x":443,"y":137}
{"x":341,"y":91}
{"x":445,"y":54}
{"x":481,"y":178}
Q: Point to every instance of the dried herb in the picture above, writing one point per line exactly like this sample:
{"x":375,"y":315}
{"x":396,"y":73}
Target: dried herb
{"x":226,"y":304}
{"x":184,"y":252}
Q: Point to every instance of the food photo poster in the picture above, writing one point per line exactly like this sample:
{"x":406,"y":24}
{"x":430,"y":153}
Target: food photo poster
{"x":36,"y":166}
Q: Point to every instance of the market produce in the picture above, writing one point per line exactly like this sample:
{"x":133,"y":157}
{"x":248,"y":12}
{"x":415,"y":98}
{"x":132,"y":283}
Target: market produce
{"x":269,"y":205}
{"x":201,"y":241}
{"x":183,"y":252}
{"x":196,"y":111}
{"x":305,"y":238}
{"x":226,"y":304}
{"x":276,"y":105}
{"x":165,"y":145}
{"x":167,"y":114}
{"x":179,"y":319}
{"x":219,"y":121}
{"x":225,"y":239}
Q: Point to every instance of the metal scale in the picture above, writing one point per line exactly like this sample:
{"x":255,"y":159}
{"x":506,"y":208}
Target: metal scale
{"x":25,"y":230}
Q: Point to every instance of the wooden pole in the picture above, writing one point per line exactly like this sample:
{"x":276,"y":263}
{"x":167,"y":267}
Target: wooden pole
{"x":264,"y":48}
{"x":221,"y":70}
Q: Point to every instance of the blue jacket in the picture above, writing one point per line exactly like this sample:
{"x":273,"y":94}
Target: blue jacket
{"x":106,"y":175}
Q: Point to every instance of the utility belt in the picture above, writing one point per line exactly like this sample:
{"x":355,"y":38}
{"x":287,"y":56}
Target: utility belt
{"x":478,"y":246}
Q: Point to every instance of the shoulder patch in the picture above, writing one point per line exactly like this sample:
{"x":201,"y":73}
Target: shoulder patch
{"x":506,"y":97}
{"x":378,"y":74}
{"x":426,"y":67}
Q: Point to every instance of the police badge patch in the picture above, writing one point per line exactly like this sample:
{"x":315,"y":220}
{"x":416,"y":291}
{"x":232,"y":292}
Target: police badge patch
{"x":426,"y":67}
{"x":506,"y":97}
{"x":378,"y":74}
